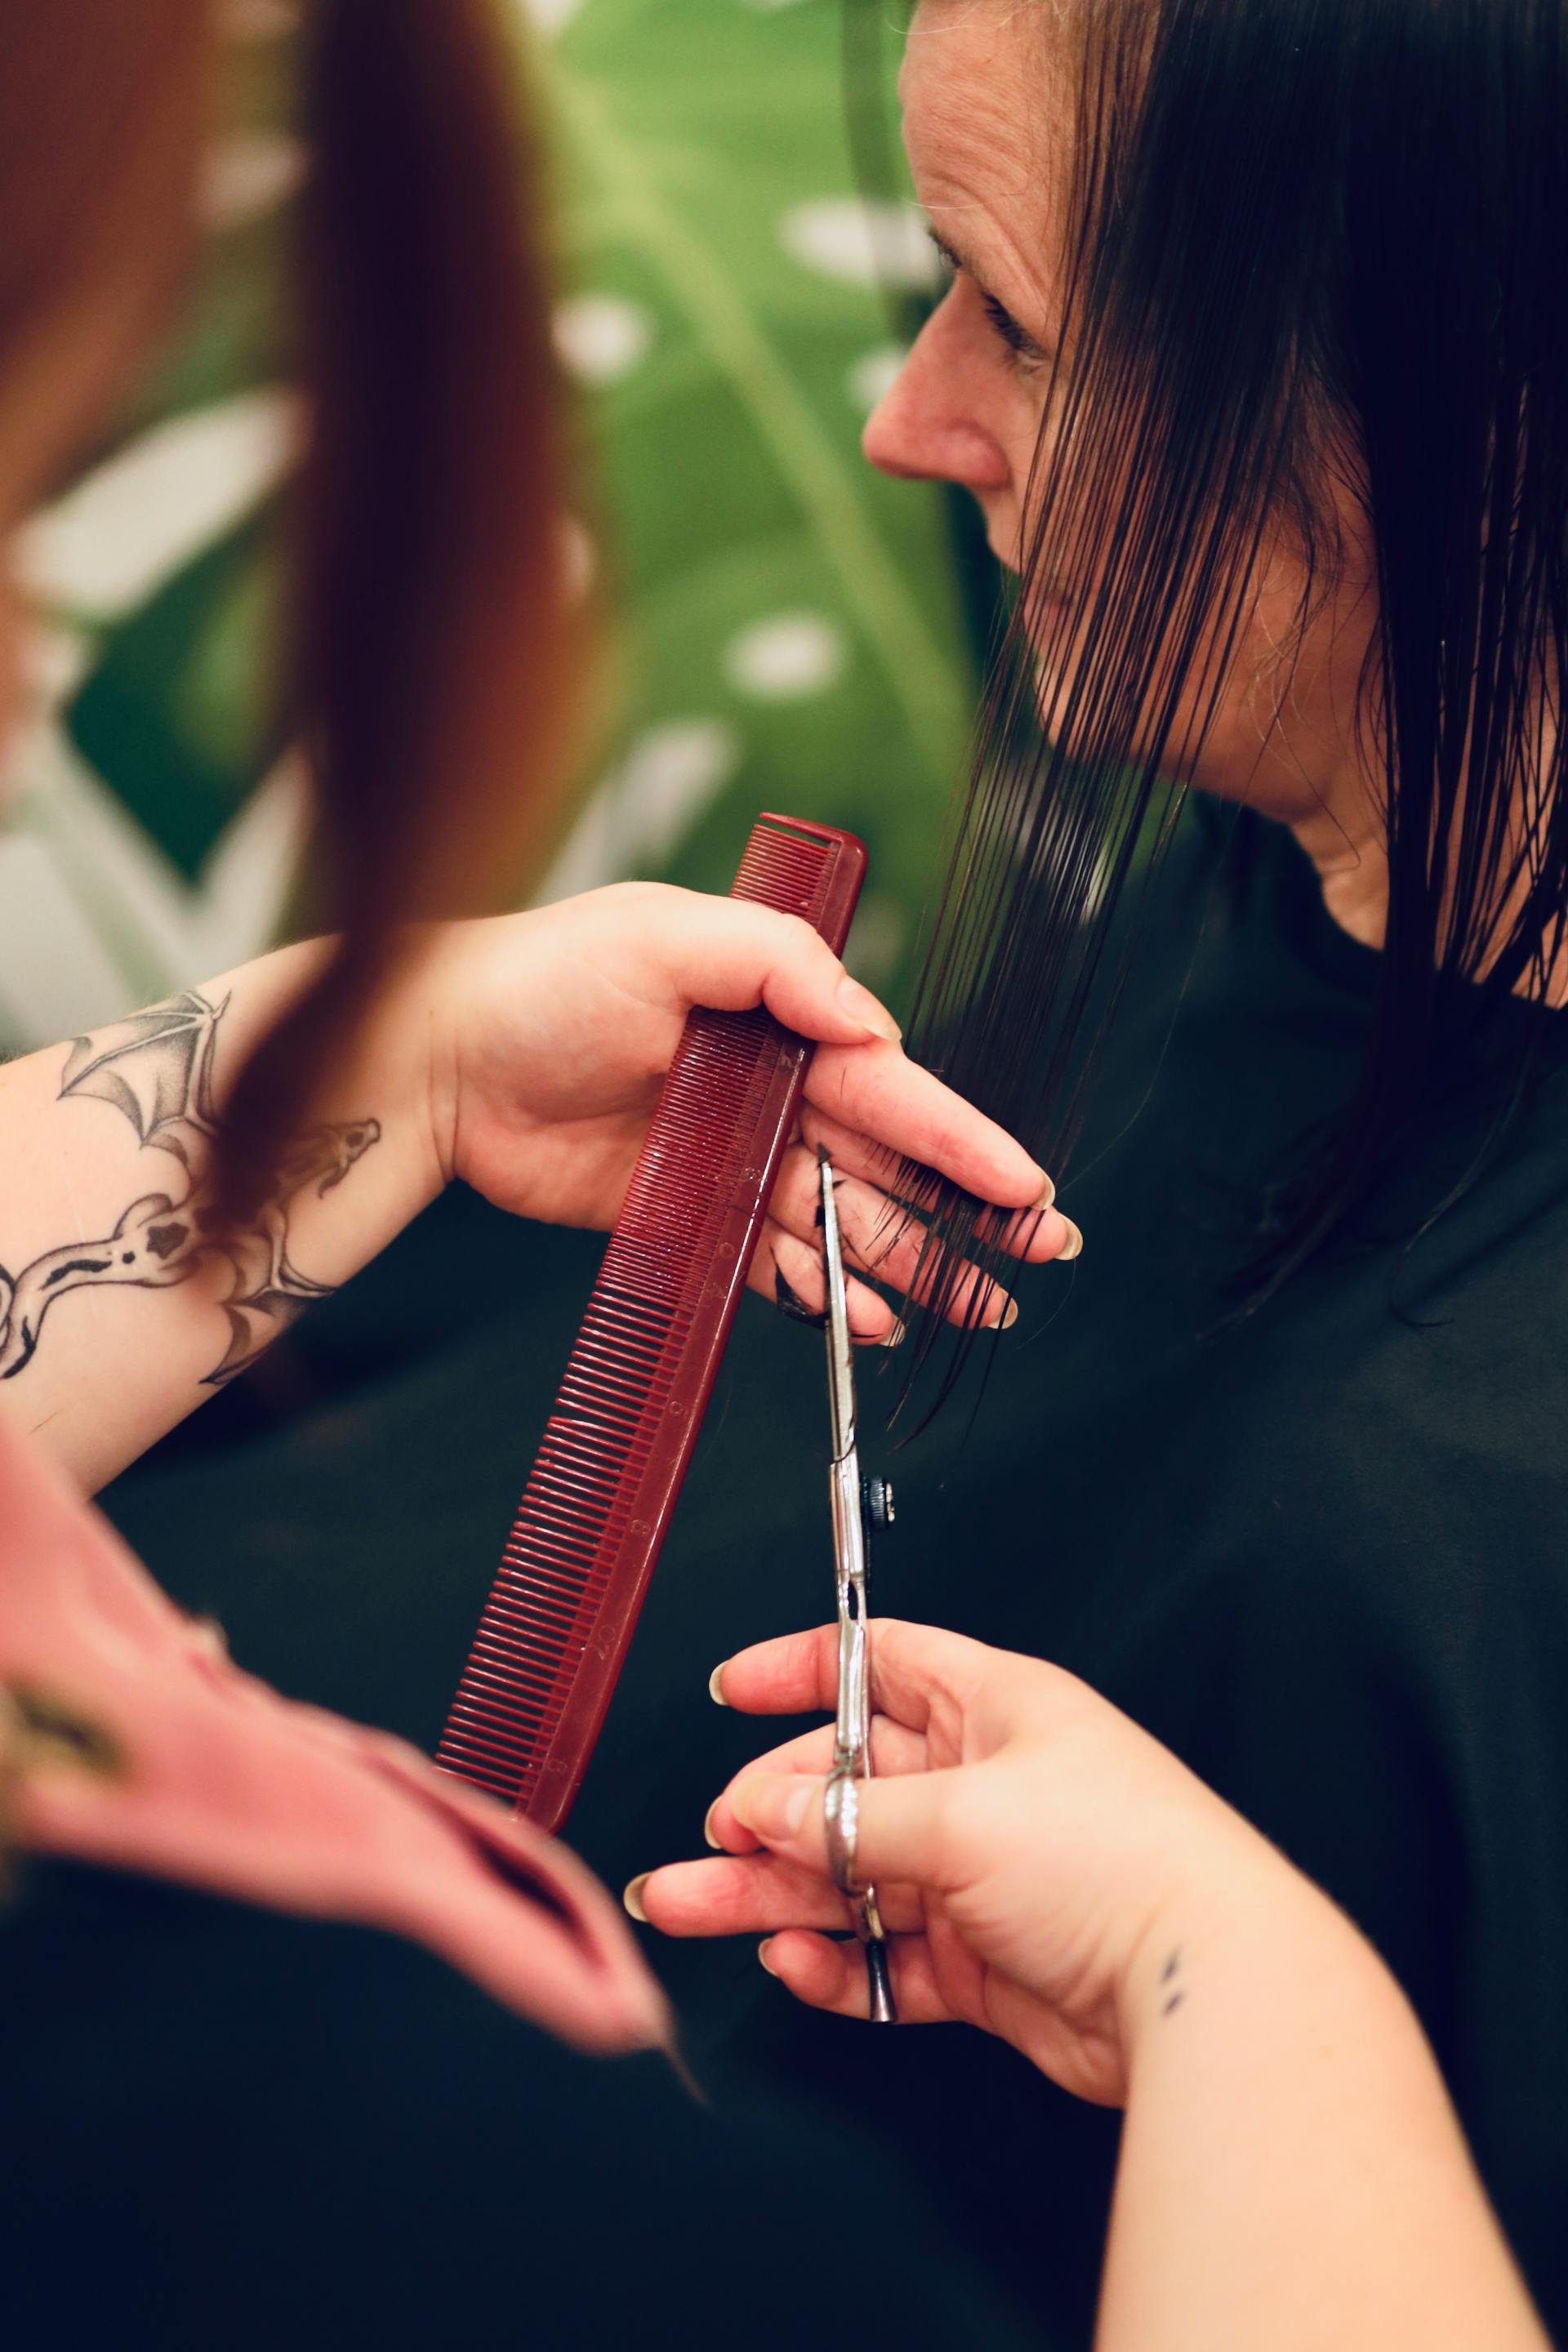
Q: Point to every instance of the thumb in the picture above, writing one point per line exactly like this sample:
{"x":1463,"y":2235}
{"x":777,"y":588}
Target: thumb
{"x":903,"y":1824}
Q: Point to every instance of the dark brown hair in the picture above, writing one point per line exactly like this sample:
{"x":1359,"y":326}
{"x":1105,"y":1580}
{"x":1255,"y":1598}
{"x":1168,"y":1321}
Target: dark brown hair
{"x":1314,"y":244}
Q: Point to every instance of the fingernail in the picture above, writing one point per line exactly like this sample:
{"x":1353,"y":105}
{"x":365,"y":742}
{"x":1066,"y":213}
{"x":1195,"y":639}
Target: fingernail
{"x":793,"y":1304}
{"x":1009,"y":1316}
{"x":1074,"y":1241}
{"x":871,"y":1013}
{"x":708,"y":1836}
{"x":895,"y":1338}
{"x":659,"y":2031}
{"x":1048,"y":1196}
{"x":773,"y":1806}
{"x":632,"y":1897}
{"x":764,"y":1948}
{"x":716,"y":1684}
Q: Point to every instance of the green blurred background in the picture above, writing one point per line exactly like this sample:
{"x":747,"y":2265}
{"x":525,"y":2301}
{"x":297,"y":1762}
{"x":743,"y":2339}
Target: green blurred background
{"x":786,"y":633}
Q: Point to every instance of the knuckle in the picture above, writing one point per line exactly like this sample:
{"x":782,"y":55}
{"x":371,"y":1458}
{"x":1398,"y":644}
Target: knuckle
{"x":650,"y":897}
{"x":831,"y":1085}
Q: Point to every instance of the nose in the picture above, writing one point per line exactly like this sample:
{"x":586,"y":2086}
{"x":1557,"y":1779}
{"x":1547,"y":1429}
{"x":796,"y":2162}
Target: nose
{"x":930,"y":425}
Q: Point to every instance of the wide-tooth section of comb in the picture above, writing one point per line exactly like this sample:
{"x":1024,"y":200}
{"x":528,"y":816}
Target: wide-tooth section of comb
{"x":593,"y":1515}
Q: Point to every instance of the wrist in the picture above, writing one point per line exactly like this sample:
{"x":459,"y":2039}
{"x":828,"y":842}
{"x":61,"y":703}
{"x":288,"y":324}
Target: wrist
{"x":1249,"y":1937}
{"x":408,"y":1056}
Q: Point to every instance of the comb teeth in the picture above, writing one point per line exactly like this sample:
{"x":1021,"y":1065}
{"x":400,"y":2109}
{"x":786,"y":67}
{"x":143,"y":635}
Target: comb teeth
{"x":591,"y":1517}
{"x":781,"y":870}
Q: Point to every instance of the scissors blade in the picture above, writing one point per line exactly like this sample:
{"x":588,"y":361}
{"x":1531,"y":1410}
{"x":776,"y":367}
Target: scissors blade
{"x":840,"y":1348}
{"x":852,"y":1730}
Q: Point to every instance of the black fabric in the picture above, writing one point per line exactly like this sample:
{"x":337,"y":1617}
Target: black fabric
{"x":1320,"y":1552}
{"x":225,"y":2128}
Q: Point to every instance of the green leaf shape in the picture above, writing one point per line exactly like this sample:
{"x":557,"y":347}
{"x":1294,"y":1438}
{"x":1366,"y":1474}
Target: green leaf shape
{"x":729,"y":465}
{"x":174,"y":715}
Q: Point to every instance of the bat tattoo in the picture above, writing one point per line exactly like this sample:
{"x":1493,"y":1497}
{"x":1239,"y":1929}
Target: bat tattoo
{"x":156,"y":1067}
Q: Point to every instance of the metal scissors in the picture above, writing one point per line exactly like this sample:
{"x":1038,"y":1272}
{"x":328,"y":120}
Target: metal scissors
{"x":859,"y":1506}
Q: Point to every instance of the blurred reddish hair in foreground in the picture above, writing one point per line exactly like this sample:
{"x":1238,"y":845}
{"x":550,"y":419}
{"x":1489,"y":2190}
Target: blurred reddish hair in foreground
{"x":431,"y":663}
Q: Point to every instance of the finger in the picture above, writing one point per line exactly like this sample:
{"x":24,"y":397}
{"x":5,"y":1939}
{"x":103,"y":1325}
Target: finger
{"x":729,"y":954}
{"x":894,"y":1748}
{"x":825,"y":1975}
{"x":911,"y":1667}
{"x":884,"y":1240}
{"x":750,"y":1895}
{"x":878,"y":1092}
{"x":789,"y":1271}
{"x":1035,"y":1234}
{"x":754,"y":1895}
{"x":906,"y":1825}
{"x":871,"y":1225}
{"x":732,"y":955}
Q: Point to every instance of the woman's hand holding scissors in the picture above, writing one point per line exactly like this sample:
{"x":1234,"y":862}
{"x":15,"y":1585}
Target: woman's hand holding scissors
{"x":1038,"y":1859}
{"x":1292,"y":2177}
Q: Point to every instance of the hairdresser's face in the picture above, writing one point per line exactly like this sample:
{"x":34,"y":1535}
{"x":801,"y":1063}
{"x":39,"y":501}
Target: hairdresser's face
{"x":988,"y":128}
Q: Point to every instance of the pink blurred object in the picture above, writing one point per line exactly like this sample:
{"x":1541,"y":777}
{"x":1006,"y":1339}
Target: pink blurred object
{"x":229,"y":1787}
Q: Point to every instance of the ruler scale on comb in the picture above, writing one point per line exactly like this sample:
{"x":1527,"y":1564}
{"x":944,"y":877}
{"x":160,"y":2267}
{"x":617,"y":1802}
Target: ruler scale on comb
{"x":594,"y":1514}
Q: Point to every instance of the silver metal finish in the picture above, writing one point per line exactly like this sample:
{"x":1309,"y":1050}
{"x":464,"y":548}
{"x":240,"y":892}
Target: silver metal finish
{"x":852,"y":1730}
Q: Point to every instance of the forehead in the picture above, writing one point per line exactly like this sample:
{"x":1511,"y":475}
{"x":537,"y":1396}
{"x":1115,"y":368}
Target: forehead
{"x":973,"y":76}
{"x":986,"y":121}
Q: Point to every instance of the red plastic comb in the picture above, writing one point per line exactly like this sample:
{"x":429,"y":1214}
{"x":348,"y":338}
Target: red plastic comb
{"x":593,"y":1516}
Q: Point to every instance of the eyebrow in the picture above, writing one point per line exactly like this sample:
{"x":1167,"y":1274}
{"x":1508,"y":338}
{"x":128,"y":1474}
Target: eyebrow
{"x":956,"y":260}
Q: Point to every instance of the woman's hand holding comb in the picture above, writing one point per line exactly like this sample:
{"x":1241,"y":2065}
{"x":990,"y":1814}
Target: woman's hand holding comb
{"x":524,"y":1053}
{"x":551,"y":1032}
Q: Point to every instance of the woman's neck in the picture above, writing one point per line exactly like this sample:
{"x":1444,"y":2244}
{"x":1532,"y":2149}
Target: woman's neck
{"x":1345,"y":837}
{"x":1347,"y":848}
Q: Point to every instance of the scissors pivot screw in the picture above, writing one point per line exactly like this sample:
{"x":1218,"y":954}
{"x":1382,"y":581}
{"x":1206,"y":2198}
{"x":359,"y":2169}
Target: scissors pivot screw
{"x":879,"y":1508}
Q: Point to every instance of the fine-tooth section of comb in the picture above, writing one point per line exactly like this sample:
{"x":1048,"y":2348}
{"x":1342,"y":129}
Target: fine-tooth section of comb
{"x":593,"y":1516}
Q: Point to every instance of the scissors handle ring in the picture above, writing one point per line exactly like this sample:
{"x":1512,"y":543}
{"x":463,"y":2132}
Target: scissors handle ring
{"x":841,"y":1811}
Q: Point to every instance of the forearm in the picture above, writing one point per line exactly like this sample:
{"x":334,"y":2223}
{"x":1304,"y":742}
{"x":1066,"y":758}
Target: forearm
{"x":118,"y":1310}
{"x":1292,"y":2176}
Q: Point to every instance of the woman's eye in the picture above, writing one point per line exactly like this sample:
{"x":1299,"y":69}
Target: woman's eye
{"x":1018,"y":339}
{"x":1023,"y":346}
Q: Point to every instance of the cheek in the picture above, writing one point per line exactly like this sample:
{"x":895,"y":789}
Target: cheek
{"x":1286,"y":724}
{"x":1284,"y":720}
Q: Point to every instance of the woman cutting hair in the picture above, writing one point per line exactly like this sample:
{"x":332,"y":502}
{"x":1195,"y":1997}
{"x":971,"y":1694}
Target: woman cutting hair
{"x":235,"y":2105}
